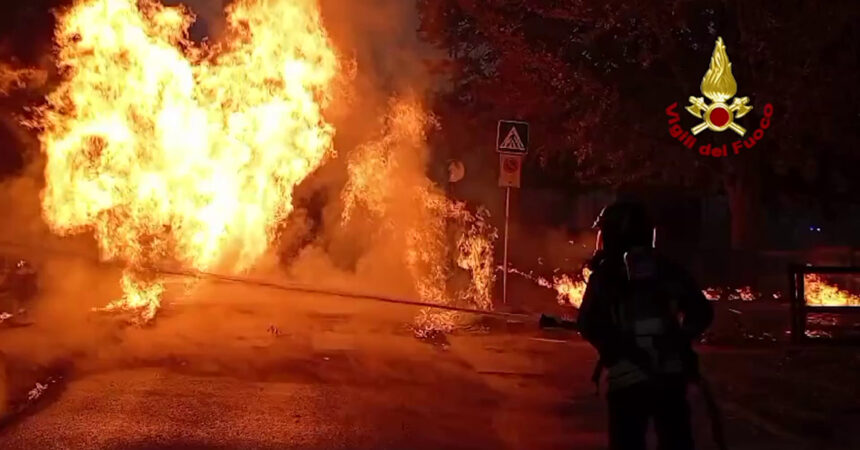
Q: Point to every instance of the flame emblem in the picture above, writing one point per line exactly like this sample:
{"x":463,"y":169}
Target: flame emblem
{"x":719,"y":86}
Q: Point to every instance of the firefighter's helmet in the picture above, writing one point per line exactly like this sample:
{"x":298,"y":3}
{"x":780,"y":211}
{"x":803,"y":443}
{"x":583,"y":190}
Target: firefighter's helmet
{"x":625,"y":224}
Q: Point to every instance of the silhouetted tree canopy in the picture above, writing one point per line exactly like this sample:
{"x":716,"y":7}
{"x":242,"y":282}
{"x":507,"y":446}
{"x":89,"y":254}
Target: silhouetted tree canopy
{"x":594,"y":78}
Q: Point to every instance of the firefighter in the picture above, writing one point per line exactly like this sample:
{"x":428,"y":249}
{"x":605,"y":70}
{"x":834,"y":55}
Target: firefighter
{"x":642,"y":313}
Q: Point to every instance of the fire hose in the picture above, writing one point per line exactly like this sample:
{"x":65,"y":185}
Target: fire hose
{"x":282,"y":286}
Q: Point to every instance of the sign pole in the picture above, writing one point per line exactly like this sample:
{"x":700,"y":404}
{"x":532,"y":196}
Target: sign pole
{"x":505,"y":257}
{"x":512,"y":142}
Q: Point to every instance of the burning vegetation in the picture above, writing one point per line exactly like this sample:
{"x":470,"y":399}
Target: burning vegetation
{"x":434,"y":233}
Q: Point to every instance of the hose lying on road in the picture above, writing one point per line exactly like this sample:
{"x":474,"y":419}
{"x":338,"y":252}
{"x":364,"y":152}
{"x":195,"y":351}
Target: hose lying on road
{"x":290,"y":287}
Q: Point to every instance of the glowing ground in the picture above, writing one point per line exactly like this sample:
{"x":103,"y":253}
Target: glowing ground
{"x":247,"y":369}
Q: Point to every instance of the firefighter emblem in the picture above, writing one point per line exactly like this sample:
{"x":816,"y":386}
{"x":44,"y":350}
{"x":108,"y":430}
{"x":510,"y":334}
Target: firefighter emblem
{"x":719,"y":86}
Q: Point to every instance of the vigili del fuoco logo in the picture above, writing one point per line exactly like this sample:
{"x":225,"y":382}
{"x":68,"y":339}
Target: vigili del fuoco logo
{"x":722,"y":113}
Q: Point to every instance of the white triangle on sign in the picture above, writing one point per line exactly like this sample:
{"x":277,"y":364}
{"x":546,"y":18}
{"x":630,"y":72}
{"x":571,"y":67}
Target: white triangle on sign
{"x":513,"y":142}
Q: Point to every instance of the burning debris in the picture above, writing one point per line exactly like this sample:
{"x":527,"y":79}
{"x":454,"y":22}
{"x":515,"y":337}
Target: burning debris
{"x":430,"y":324}
{"x":142,"y":299}
{"x":569,"y":290}
{"x":744,"y":293}
{"x":819,"y":292}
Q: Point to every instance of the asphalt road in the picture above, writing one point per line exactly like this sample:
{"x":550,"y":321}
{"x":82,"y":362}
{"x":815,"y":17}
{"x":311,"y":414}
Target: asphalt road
{"x":254,"y":369}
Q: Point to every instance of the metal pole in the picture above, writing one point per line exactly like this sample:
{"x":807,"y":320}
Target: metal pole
{"x":801,"y":304}
{"x":793,"y":308}
{"x":505,"y":262}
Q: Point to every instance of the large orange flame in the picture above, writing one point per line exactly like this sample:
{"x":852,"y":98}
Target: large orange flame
{"x":170,"y":150}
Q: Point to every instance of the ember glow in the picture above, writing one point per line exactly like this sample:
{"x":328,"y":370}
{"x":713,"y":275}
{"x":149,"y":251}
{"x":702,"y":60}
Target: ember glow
{"x":821,"y":293}
{"x":744,"y":293}
{"x":172,"y":151}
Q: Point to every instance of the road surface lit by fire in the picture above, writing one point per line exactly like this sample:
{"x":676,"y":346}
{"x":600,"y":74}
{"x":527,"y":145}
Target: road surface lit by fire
{"x":250,"y":368}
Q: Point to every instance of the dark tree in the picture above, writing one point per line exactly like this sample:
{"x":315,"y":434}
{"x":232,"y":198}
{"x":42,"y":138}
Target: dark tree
{"x":593,"y":78}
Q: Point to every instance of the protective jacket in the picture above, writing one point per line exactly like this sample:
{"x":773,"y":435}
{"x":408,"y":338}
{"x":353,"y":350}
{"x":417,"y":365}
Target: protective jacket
{"x":642,"y":312}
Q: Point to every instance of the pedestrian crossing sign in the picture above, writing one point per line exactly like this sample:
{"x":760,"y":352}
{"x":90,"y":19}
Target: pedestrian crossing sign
{"x":512,"y":137}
